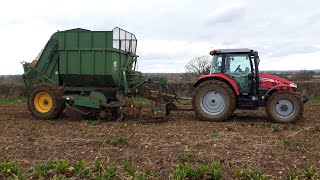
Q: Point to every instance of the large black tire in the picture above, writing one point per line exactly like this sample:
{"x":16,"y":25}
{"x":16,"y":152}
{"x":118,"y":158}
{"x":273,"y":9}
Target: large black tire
{"x":211,"y":109}
{"x":284,"y":107}
{"x":45,"y":101}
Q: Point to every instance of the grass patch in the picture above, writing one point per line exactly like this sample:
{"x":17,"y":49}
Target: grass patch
{"x":20,"y":100}
{"x":314,"y":100}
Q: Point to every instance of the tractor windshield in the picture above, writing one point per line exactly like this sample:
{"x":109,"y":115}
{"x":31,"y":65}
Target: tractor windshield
{"x":124,"y":40}
{"x":216,"y":64}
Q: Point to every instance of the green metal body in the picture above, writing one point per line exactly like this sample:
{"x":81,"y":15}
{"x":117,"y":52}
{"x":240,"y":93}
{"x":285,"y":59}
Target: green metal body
{"x":84,"y":60}
{"x":85,"y":63}
{"x":94,"y":100}
{"x":45,"y":70}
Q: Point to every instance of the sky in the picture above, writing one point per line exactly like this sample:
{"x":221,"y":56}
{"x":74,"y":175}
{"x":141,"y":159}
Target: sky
{"x":170,"y":32}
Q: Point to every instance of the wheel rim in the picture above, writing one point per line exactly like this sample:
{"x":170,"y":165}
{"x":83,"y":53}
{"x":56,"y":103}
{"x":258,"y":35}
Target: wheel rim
{"x":43,"y":102}
{"x":213,"y":102}
{"x":284,"y":108}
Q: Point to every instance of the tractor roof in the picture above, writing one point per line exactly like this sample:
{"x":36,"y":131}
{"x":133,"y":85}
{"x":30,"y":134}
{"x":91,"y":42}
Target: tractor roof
{"x":241,"y":50}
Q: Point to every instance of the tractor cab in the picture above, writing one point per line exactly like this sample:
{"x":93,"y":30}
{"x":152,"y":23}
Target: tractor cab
{"x":241,"y":65}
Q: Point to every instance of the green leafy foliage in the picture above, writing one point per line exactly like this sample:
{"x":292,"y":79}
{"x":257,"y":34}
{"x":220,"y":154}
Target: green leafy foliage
{"x":11,"y":171}
{"x":60,"y":170}
{"x":81,"y":168}
{"x":97,"y":165}
{"x":292,"y":176}
{"x":215,"y":135}
{"x":310,"y":172}
{"x":135,"y":174}
{"x":131,"y":170}
{"x":275,"y":128}
{"x":108,"y":174}
{"x":62,"y":166}
{"x":117,"y":140}
{"x":286,"y":142}
{"x":185,"y":156}
{"x":215,"y":171}
{"x":185,"y":171}
{"x":43,"y":170}
{"x":248,"y":174}
{"x":59,"y":177}
{"x":94,"y":122}
{"x":285,"y":127}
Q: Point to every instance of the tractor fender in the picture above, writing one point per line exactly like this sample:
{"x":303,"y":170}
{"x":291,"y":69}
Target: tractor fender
{"x":273,"y":89}
{"x":221,"y":77}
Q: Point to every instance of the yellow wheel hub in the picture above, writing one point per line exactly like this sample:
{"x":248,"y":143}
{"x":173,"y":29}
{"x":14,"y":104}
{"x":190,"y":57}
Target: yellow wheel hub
{"x":43,"y":102}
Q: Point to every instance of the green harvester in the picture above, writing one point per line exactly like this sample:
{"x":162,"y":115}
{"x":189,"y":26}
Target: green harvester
{"x":90,"y":73}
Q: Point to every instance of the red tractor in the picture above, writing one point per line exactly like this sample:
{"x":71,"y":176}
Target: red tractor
{"x":234,"y":82}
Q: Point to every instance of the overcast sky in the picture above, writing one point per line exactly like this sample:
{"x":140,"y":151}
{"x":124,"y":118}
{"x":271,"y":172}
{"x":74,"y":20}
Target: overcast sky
{"x":170,"y":32}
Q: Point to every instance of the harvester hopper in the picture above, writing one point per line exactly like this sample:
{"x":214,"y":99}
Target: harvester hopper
{"x":92,"y":73}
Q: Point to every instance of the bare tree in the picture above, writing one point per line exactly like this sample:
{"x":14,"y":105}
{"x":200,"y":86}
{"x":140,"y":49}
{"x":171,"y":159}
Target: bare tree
{"x":198,"y":65}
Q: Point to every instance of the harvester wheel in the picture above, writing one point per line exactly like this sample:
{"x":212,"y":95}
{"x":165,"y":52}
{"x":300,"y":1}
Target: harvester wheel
{"x":213,"y":101}
{"x":45,"y":101}
{"x":284,"y":107}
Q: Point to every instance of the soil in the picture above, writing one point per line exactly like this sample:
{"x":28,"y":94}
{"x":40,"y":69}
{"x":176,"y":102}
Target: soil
{"x":248,"y":139}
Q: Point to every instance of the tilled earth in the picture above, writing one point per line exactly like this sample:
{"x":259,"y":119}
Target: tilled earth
{"x":248,"y":139}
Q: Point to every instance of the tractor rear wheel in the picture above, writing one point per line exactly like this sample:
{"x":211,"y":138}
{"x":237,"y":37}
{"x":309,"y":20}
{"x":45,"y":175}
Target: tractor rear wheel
{"x":213,"y":100}
{"x":284,"y":107}
{"x":45,"y":101}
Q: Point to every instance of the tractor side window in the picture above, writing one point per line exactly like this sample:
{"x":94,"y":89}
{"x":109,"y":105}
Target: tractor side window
{"x":216,"y":64}
{"x":238,"y":67}
{"x":237,"y":64}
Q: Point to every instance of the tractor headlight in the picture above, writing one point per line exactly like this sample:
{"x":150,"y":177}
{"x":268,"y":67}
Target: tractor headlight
{"x":294,"y":85}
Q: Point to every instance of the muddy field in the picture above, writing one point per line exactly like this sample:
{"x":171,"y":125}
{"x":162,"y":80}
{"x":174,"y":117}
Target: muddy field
{"x":246,"y":140}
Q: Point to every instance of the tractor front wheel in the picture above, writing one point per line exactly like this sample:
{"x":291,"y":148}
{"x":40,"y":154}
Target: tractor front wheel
{"x":284,"y":107}
{"x":213,"y":100}
{"x":45,"y":101}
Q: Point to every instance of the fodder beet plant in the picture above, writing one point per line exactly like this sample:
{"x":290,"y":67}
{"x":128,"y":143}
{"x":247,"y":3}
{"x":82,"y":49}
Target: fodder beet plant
{"x":98,"y":170}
